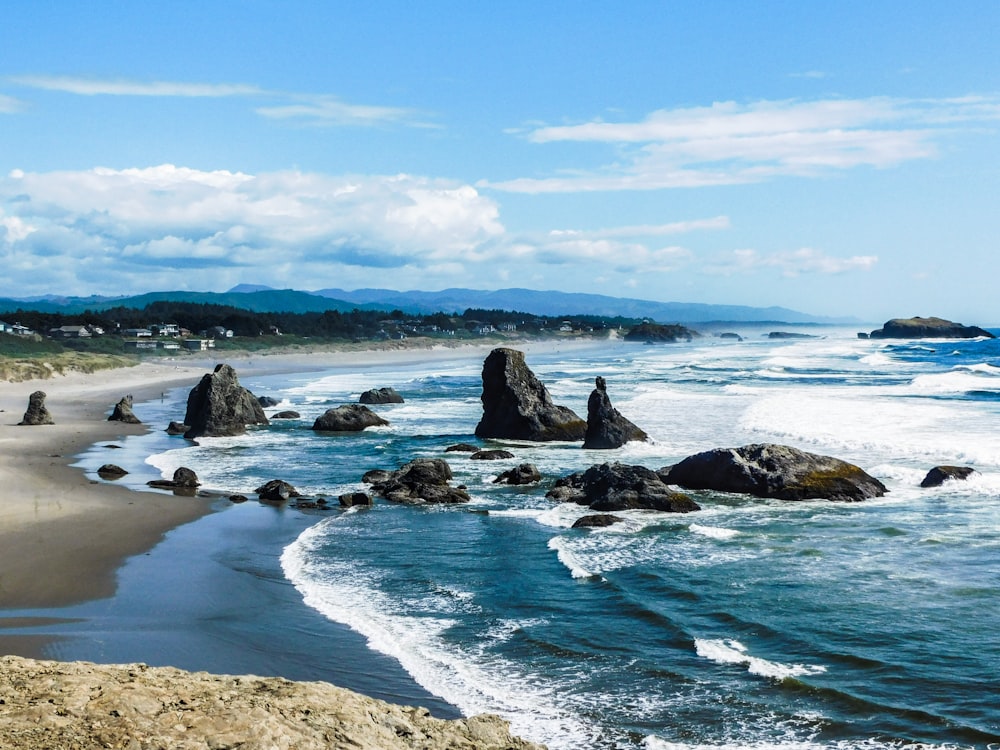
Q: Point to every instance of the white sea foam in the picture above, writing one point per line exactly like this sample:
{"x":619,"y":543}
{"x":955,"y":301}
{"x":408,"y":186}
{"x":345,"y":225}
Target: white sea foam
{"x":729,"y":651}
{"x":463,"y":675}
{"x":567,"y":558}
{"x":713,"y":532}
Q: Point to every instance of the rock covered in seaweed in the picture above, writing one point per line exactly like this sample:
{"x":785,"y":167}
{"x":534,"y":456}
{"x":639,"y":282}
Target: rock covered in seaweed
{"x":36,"y":413}
{"x":777,"y":471}
{"x":219,"y":406}
{"x":348,"y":418}
{"x":517,"y":406}
{"x":606,"y":427}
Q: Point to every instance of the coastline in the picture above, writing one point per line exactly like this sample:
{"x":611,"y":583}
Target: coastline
{"x":78,"y":555}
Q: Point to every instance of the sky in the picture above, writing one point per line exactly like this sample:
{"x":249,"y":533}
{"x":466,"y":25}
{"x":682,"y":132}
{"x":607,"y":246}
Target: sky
{"x":837,"y":158}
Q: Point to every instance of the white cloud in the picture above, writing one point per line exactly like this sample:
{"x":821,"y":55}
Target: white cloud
{"x":789,"y":263}
{"x":9,"y":105}
{"x":646,"y":230}
{"x":125,"y":87}
{"x":729,"y":143}
{"x":315,"y":109}
{"x":328,"y":110}
{"x":136,"y":225}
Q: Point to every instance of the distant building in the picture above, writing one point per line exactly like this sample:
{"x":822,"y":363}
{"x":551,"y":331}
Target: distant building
{"x":70,"y":332}
{"x":138,"y":333}
{"x":219,"y":332}
{"x":198,"y":345}
{"x":165,"y":329}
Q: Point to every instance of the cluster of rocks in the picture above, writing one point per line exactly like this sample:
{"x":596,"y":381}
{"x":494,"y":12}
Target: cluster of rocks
{"x":517,"y":406}
{"x":423,"y":480}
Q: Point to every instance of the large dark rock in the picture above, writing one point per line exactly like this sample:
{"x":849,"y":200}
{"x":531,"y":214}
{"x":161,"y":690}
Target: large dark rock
{"x":778,"y":471}
{"x":928,"y":328}
{"x":606,"y":427}
{"x":423,"y":480}
{"x":352,"y":499}
{"x":616,"y":486}
{"x":516,"y":405}
{"x":123,"y":412}
{"x":520,"y":474}
{"x":219,"y":406}
{"x":36,"y":413}
{"x":381,"y":396}
{"x":348,"y":418}
{"x":267,"y":401}
{"x":176,"y":428}
{"x":940,"y":474}
{"x":656,"y":333}
{"x":111,"y":471}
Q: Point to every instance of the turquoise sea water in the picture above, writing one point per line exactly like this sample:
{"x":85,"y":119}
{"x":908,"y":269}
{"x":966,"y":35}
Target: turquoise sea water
{"x":751,"y":624}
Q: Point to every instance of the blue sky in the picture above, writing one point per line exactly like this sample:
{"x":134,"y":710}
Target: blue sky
{"x":833,"y":157}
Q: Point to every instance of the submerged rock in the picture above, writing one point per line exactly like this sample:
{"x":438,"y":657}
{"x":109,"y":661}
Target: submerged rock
{"x":286,"y":415}
{"x":597,"y":521}
{"x":941,"y":474}
{"x":380,"y":396}
{"x":348,"y":418}
{"x":123,"y":412}
{"x":423,"y":480}
{"x":778,"y":471}
{"x":491,"y":455}
{"x":617,"y":486}
{"x":517,"y":406}
{"x":36,"y":413}
{"x":519,"y":475}
{"x":606,"y":427}
{"x":462,"y":448}
{"x":928,"y":328}
{"x":219,"y":406}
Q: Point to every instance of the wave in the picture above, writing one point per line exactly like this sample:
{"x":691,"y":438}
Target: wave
{"x":729,"y":651}
{"x":567,"y":558}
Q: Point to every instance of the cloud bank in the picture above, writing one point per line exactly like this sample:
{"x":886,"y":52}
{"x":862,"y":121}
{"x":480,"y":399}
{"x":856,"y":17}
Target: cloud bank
{"x":729,"y":143}
{"x":169,"y":227}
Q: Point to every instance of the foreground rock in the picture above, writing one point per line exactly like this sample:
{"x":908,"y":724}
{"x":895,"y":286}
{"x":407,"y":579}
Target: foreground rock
{"x":183,"y":479}
{"x":941,"y":474}
{"x":348,"y":418}
{"x":616,"y":486}
{"x":778,"y":471}
{"x":276,"y":492}
{"x":606,"y":427}
{"x":219,"y":406}
{"x":928,"y":328}
{"x":516,"y":405}
{"x":123,"y":412}
{"x":423,"y":480}
{"x":111,"y":471}
{"x":380,"y":396}
{"x":597,"y":521}
{"x":36,"y":413}
{"x":54,"y":705}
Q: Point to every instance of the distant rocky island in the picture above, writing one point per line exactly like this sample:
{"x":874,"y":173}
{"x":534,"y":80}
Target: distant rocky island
{"x":926,"y":328}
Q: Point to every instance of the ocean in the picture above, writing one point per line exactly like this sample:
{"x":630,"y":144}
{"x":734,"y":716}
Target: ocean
{"x":749,"y":624}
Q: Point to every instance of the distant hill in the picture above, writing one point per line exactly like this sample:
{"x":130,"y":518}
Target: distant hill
{"x":569,"y":303}
{"x":259,"y":298}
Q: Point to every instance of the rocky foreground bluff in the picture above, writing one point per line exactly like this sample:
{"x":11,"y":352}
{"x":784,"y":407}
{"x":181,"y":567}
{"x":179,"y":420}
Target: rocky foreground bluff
{"x":46,"y":705}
